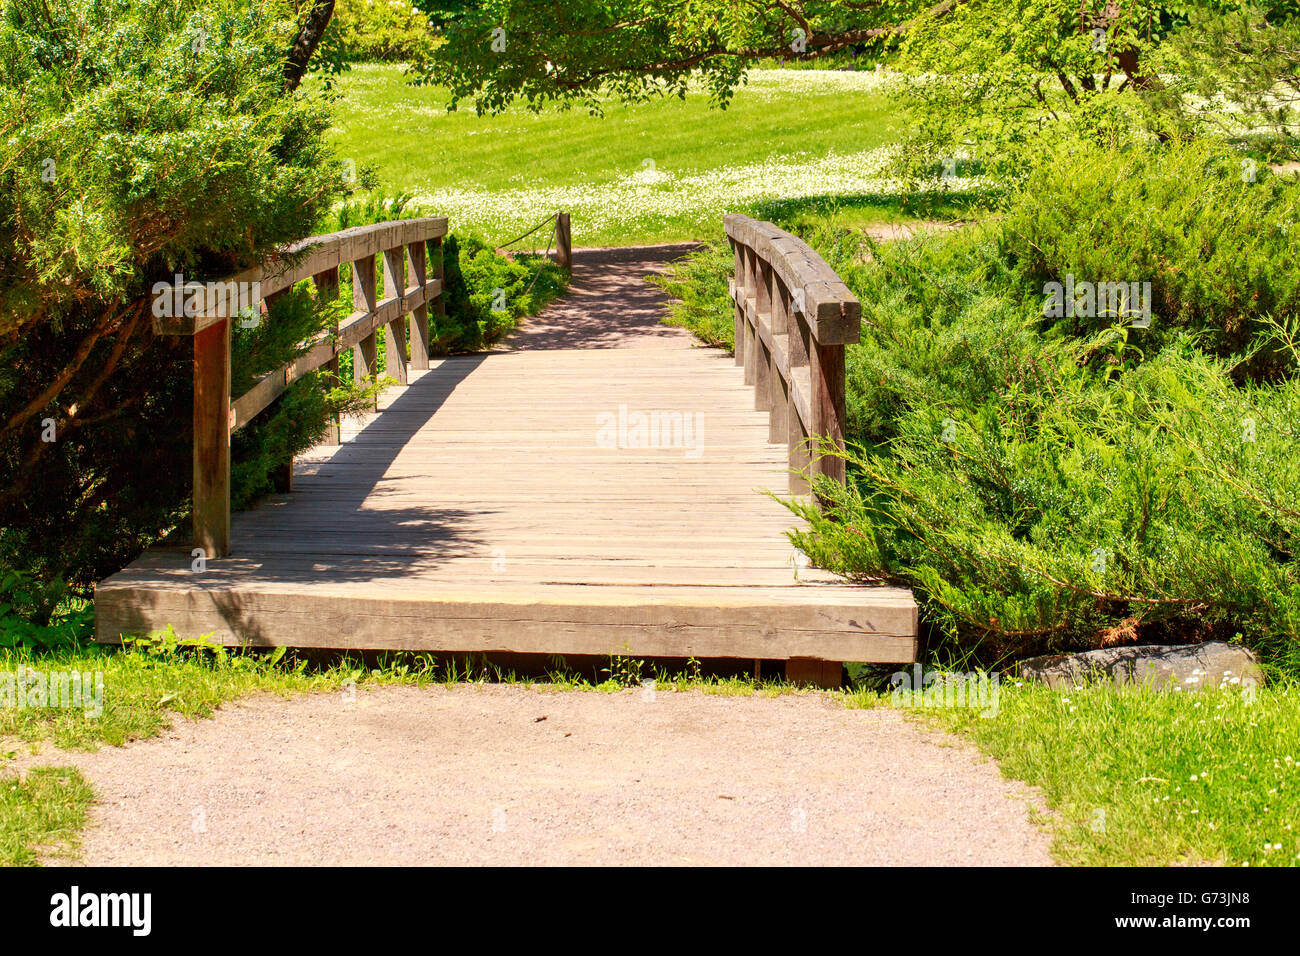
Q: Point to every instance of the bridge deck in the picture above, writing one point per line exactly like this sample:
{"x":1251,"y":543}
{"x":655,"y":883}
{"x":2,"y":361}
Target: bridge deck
{"x":499,"y":503}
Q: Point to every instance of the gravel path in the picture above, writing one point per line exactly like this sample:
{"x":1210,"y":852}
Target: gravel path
{"x":504,"y":774}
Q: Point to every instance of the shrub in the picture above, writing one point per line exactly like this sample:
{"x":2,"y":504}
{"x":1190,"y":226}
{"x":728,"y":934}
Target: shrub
{"x":40,"y":616}
{"x":487,"y":294}
{"x":143,"y":138}
{"x":1214,"y":234}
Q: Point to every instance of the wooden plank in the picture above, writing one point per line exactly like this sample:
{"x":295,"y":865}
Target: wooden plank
{"x":417,"y":276}
{"x":395,"y":329}
{"x":522,"y":622}
{"x":563,"y":241}
{"x":211,"y":490}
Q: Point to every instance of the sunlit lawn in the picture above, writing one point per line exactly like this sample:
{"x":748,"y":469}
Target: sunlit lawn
{"x":662,"y":171}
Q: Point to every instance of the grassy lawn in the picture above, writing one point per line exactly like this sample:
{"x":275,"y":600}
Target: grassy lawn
{"x":1140,"y":777}
{"x":791,"y":141}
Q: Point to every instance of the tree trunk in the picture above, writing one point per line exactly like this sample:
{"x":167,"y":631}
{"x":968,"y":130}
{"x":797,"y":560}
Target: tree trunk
{"x":309,"y":37}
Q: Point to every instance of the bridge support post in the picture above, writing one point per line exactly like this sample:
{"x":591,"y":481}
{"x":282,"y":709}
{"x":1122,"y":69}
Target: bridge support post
{"x":212,"y":421}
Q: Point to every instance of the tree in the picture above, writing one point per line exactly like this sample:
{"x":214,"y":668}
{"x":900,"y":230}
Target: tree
{"x":309,"y":37}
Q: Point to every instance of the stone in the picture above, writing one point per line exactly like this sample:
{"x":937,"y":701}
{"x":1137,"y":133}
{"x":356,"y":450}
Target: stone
{"x":1182,"y":667}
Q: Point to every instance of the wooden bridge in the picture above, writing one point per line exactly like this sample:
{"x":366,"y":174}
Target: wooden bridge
{"x":594,"y":487}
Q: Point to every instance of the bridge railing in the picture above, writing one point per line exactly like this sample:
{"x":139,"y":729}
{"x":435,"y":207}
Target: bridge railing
{"x":205,"y":312}
{"x":794,"y":316}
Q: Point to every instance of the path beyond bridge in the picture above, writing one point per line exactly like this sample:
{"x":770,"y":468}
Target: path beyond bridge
{"x":593,"y":486}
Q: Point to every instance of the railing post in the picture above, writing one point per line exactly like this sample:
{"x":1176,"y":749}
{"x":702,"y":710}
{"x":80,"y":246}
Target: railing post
{"x":395,"y":331}
{"x":563,"y":241}
{"x":738,"y":346}
{"x":778,"y":428}
{"x":751,"y":292}
{"x":763,"y":350}
{"x":438,"y":309}
{"x":365,"y":357}
{"x":828,"y":407}
{"x":416,"y":277}
{"x":327,"y":290}
{"x":212,"y":418}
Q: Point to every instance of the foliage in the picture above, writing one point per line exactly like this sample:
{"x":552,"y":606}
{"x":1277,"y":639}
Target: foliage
{"x":40,"y":616}
{"x":487,"y":294}
{"x":382,"y":31}
{"x":583,"y":52}
{"x":142,"y":138}
{"x":1236,"y":73}
{"x":1214,"y":236}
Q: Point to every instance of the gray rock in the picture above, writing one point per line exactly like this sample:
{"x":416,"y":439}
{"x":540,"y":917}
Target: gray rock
{"x":1183,"y":667}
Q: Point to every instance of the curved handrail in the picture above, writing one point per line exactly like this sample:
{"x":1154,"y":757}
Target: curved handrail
{"x":794,"y":316}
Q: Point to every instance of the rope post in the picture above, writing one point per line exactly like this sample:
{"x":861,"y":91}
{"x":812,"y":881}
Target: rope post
{"x":563,"y":241}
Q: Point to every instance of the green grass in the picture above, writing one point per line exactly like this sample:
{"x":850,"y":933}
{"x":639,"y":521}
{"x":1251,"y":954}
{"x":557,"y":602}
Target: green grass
{"x":1115,"y":766}
{"x":144,"y":691}
{"x":41,"y":815}
{"x":1141,"y":777}
{"x":666,"y":170}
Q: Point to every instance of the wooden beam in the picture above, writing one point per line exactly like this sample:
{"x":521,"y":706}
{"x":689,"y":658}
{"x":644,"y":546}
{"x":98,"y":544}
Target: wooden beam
{"x":212,"y":412}
{"x":416,"y":275}
{"x":327,"y":291}
{"x":365,"y":357}
{"x":395,"y":329}
{"x":563,"y":241}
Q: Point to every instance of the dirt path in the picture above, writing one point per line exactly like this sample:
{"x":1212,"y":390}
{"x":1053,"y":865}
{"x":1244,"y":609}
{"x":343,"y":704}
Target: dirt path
{"x":609,"y":304}
{"x":503,"y":774}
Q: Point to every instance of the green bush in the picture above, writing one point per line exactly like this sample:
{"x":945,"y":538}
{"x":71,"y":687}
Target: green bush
{"x":41,"y":616}
{"x":144,"y":138}
{"x":1214,"y":234}
{"x":1047,"y":486}
{"x":382,"y":31}
{"x":487,"y":294}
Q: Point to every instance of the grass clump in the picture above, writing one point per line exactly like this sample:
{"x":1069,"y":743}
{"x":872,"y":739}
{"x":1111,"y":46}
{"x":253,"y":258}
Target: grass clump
{"x":41,"y":814}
